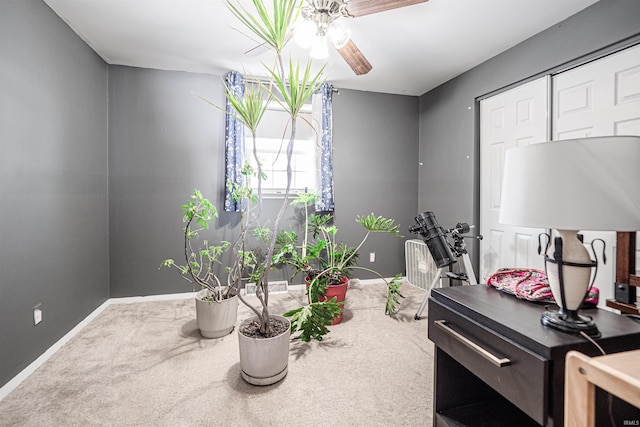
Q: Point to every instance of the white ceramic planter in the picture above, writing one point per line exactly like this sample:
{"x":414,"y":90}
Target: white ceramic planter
{"x":216,"y":319}
{"x":264,"y":361}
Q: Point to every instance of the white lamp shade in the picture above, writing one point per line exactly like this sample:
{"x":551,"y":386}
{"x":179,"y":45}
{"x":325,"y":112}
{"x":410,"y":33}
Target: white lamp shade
{"x":574,"y":184}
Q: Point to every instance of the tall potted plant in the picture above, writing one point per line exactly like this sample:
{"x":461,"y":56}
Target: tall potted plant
{"x":216,"y":305}
{"x":264,"y":339}
{"x":326,"y":264}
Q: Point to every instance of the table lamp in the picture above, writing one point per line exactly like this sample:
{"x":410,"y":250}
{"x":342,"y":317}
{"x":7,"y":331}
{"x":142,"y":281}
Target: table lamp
{"x":568,"y":186}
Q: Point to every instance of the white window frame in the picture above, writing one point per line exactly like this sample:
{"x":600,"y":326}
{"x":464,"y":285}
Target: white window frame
{"x":272,"y":152}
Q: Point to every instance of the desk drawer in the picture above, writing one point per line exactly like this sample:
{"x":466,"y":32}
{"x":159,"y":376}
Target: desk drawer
{"x":516,"y":373}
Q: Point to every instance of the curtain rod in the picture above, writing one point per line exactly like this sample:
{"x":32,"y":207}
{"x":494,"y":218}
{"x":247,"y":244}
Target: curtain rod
{"x":266,"y":82}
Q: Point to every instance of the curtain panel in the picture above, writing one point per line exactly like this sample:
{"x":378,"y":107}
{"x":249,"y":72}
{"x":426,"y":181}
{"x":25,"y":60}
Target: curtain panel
{"x":324,"y":158}
{"x":234,"y":142}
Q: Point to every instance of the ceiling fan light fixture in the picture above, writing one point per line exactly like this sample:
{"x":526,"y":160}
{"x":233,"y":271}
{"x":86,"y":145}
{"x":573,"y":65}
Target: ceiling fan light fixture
{"x":328,"y":16}
{"x":319,"y":48}
{"x":304,"y":33}
{"x":339,"y":33}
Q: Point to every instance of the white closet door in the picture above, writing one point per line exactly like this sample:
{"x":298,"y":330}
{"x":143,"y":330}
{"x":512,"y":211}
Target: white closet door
{"x":510,"y":119}
{"x":598,"y":99}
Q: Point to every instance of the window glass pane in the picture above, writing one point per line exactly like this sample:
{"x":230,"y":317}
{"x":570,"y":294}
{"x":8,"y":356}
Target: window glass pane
{"x":279,"y":179}
{"x":272,"y":151}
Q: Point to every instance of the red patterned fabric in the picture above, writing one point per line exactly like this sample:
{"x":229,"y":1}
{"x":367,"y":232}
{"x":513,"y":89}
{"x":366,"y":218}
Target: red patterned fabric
{"x":530,"y":284}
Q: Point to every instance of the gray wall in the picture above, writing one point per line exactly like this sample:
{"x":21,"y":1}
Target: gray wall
{"x":165,"y":141}
{"x":449,"y":142}
{"x":376,"y":146}
{"x":53,"y":185}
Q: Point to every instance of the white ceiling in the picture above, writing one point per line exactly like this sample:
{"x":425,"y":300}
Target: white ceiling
{"x":412,"y":49}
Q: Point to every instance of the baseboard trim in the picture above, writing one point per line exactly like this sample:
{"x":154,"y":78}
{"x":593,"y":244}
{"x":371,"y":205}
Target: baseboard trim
{"x":151,"y":298}
{"x":378,"y":281}
{"x":33,"y":366}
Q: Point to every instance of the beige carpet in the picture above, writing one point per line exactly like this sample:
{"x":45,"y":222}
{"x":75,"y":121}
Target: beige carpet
{"x":145,"y":364}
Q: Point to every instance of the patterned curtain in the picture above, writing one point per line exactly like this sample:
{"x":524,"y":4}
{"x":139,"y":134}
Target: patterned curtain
{"x":322,"y":113}
{"x":234,"y":141}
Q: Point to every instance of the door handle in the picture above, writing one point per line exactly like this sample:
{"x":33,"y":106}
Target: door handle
{"x":498,"y":361}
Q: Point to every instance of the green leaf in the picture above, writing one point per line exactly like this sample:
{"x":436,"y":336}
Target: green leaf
{"x":272,"y":29}
{"x":314,"y":250}
{"x":312,"y":320}
{"x":262,"y":233}
{"x":393,"y":294}
{"x":304,"y":199}
{"x":378,"y":224}
{"x":248,"y":109}
{"x":166,"y":263}
{"x":318,"y":286}
{"x":293,"y":97}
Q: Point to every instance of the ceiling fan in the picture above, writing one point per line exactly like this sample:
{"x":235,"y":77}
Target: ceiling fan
{"x":324,"y":18}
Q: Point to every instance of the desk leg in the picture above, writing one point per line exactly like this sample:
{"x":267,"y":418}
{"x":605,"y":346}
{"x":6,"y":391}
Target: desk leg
{"x":579,"y":393}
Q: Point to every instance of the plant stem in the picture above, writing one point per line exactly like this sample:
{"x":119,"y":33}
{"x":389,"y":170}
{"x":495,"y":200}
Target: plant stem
{"x":269,"y":258}
{"x":359,"y":246}
{"x":187,"y":252}
{"x":260,"y":172}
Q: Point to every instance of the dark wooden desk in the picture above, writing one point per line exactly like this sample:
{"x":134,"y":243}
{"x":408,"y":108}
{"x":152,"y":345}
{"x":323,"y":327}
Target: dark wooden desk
{"x":477,"y":328}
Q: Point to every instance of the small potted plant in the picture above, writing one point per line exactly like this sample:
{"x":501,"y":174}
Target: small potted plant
{"x":326,"y":264}
{"x":216,"y":305}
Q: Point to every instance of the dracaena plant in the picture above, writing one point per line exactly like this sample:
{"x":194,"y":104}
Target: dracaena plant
{"x":201,"y":261}
{"x":324,"y":261}
{"x":290,"y":87}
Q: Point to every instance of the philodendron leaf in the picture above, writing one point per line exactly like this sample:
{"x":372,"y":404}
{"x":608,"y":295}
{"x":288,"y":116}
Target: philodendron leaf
{"x":315,"y":249}
{"x":304,"y":199}
{"x":393,"y":294}
{"x":318,"y":287}
{"x":378,"y":224}
{"x":312,"y":320}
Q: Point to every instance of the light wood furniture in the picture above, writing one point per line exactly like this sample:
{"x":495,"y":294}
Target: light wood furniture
{"x":618,"y":374}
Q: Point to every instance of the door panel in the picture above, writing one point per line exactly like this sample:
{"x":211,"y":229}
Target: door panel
{"x":510,"y":119}
{"x":598,"y":99}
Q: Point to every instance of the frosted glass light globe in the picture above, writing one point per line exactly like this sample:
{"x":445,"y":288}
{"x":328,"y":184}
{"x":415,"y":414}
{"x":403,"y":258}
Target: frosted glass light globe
{"x":304,"y":33}
{"x":319,"y":48}
{"x":339,"y":33}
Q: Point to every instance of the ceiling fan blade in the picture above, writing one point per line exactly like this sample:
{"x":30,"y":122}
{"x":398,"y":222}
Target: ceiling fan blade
{"x":366,"y":7}
{"x":356,"y":60}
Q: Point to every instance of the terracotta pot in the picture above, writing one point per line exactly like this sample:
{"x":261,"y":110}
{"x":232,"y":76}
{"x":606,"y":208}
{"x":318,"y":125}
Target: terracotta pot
{"x":215,"y":319}
{"x":338,"y":291}
{"x":264,"y":361}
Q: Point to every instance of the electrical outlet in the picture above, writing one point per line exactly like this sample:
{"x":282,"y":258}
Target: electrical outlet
{"x":37,"y":314}
{"x":372,"y":257}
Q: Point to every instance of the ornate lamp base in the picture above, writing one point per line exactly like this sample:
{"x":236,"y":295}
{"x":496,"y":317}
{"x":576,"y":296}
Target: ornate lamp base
{"x":571,"y":322}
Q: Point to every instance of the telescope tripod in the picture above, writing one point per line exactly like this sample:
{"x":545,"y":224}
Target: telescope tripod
{"x":467,"y":276}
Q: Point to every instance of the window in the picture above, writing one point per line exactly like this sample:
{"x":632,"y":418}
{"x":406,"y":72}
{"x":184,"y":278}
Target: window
{"x":315,"y":160}
{"x":271,"y":144}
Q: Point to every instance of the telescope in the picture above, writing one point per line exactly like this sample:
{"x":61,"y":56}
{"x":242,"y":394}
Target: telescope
{"x":442,"y":252}
{"x":434,"y":236}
